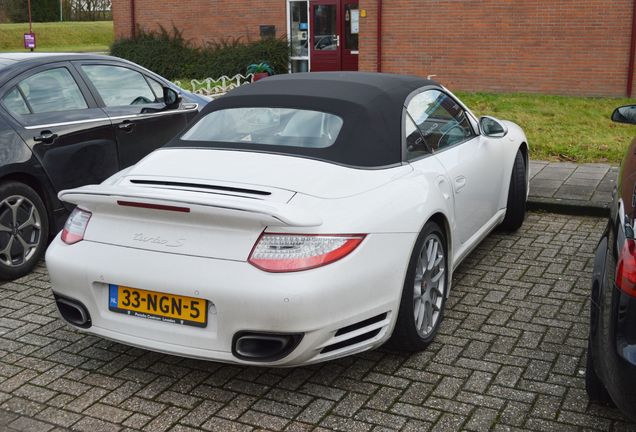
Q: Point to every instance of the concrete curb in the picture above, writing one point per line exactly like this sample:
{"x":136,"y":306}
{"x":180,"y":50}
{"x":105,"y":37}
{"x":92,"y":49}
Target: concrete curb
{"x":571,"y":207}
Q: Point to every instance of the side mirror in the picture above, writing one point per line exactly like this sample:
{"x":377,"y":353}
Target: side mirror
{"x":171,"y":98}
{"x":625,"y":114}
{"x":491,"y":127}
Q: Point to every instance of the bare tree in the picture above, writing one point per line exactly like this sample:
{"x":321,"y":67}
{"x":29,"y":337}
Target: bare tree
{"x":90,"y":10}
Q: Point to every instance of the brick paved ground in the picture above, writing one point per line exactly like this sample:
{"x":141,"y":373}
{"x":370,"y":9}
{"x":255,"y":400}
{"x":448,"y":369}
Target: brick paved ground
{"x":510,"y":356}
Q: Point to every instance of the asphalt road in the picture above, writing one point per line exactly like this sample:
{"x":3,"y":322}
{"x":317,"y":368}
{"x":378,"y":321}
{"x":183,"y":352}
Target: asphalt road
{"x":510,"y":356}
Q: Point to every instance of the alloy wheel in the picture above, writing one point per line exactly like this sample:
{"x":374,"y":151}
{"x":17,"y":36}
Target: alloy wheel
{"x":428,"y":290}
{"x":20,"y":230}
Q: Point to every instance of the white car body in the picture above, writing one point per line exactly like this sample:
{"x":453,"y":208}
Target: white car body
{"x":204,"y":253}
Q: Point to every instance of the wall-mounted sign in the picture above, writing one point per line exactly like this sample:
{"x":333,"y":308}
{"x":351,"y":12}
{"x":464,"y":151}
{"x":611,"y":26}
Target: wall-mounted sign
{"x":29,"y":41}
{"x":303,"y":26}
{"x":355,"y":21}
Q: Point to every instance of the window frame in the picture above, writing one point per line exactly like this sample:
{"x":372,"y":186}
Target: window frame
{"x":469,"y":115}
{"x":22,"y":119}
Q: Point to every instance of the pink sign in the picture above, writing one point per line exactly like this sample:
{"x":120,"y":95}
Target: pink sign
{"x":29,"y":40}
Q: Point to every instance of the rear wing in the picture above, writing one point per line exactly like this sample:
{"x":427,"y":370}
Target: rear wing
{"x":270,"y":213}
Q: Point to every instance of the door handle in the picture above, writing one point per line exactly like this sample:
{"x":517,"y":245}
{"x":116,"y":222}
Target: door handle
{"x":337,"y":40}
{"x":46,"y":137}
{"x":126,"y":126}
{"x":460,"y":182}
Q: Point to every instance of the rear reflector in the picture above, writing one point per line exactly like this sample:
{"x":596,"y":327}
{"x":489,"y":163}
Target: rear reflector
{"x":154,"y":206}
{"x":75,"y":226}
{"x":626,"y":268}
{"x":295,"y":252}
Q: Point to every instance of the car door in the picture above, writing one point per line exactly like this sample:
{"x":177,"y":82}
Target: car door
{"x":466,"y":157}
{"x":134,"y":102}
{"x":55,"y":114}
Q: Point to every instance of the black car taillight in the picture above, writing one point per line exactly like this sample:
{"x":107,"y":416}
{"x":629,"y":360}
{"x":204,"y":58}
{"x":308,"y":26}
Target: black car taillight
{"x":626,"y":268}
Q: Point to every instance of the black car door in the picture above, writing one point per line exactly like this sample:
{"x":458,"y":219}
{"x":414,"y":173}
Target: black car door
{"x":55,"y":114}
{"x":134,"y":101}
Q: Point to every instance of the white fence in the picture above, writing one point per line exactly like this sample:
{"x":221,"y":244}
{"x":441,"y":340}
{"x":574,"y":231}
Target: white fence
{"x":215,"y":86}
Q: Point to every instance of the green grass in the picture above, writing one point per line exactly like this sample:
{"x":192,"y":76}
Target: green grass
{"x":565,"y":128}
{"x":56,"y":36}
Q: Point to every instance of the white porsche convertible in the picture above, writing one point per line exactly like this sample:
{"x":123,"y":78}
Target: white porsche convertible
{"x":299,"y":219}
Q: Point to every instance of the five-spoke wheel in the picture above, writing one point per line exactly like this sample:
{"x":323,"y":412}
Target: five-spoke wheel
{"x":23,"y":229}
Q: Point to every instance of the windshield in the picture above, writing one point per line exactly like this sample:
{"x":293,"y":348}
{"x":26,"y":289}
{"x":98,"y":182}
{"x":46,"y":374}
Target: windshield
{"x":267,"y":126}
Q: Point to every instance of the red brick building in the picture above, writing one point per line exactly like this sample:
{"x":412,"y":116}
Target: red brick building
{"x":580,"y":47}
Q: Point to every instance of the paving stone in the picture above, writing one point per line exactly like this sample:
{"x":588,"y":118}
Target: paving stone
{"x":59,"y":417}
{"x":107,"y":412}
{"x":29,"y":424}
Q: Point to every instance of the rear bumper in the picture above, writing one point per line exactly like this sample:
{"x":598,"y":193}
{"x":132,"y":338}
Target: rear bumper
{"x":624,"y":391}
{"x":315,"y":303}
{"x":623,"y":386}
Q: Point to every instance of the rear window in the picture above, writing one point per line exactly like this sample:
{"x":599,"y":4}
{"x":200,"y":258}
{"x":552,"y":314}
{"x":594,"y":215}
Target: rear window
{"x":267,"y":126}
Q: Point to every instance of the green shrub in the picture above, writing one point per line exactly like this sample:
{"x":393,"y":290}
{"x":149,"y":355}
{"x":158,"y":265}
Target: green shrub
{"x":169,"y":54}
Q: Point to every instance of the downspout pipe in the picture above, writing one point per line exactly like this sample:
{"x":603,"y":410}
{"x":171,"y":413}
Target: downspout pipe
{"x":379,"y":37}
{"x":133,"y":19}
{"x":632,"y":52}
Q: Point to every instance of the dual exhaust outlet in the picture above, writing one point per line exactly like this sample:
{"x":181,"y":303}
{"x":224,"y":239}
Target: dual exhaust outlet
{"x":246,"y":345}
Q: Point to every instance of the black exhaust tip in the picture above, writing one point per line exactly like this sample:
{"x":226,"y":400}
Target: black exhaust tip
{"x":265,"y":347}
{"x":73,"y":311}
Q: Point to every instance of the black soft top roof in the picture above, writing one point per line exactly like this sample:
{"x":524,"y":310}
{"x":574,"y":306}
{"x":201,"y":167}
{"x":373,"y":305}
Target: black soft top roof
{"x":370,"y":104}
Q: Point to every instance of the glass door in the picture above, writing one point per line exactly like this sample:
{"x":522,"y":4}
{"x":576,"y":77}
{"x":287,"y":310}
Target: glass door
{"x":298,"y":11}
{"x":325,"y":47}
{"x":350,"y":31}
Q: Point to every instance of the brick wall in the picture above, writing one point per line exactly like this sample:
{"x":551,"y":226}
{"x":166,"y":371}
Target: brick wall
{"x":202,"y":20}
{"x":547,"y":46}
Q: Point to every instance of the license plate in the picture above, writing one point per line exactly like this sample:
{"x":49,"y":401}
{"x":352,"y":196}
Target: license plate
{"x":158,"y":306}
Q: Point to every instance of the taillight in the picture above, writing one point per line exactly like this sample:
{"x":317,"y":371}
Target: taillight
{"x":295,"y":252}
{"x":626,"y":268}
{"x":75,"y":226}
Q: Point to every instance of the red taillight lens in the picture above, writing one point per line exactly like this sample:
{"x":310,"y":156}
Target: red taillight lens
{"x":75,"y":226}
{"x":295,"y":252}
{"x":626,"y":268}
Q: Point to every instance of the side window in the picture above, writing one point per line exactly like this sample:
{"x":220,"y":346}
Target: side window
{"x":415,"y":145}
{"x":15,"y":102}
{"x":119,"y":86}
{"x":157,"y":89}
{"x":48,"y":91}
{"x":442,"y":122}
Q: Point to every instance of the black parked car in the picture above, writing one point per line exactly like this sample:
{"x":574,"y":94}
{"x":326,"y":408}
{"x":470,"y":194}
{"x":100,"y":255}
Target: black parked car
{"x":69,"y":120}
{"x":611,"y":357}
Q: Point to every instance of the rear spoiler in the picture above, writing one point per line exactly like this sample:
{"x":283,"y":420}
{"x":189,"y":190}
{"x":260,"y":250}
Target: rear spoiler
{"x":272,"y":213}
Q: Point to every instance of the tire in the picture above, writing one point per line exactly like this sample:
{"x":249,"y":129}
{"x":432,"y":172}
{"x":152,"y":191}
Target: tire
{"x":24,"y":229}
{"x":422,"y":304}
{"x":516,"y":206}
{"x":594,"y":387}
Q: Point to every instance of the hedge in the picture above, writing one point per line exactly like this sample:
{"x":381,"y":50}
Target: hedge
{"x":172,"y":56}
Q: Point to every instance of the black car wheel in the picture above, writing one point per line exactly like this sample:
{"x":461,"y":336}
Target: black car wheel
{"x":594,"y":387}
{"x":24,"y":229}
{"x":424,"y":292}
{"x":516,"y":207}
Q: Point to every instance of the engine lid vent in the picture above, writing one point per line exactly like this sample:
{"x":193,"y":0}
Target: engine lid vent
{"x":181,"y":185}
{"x":211,"y":186}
